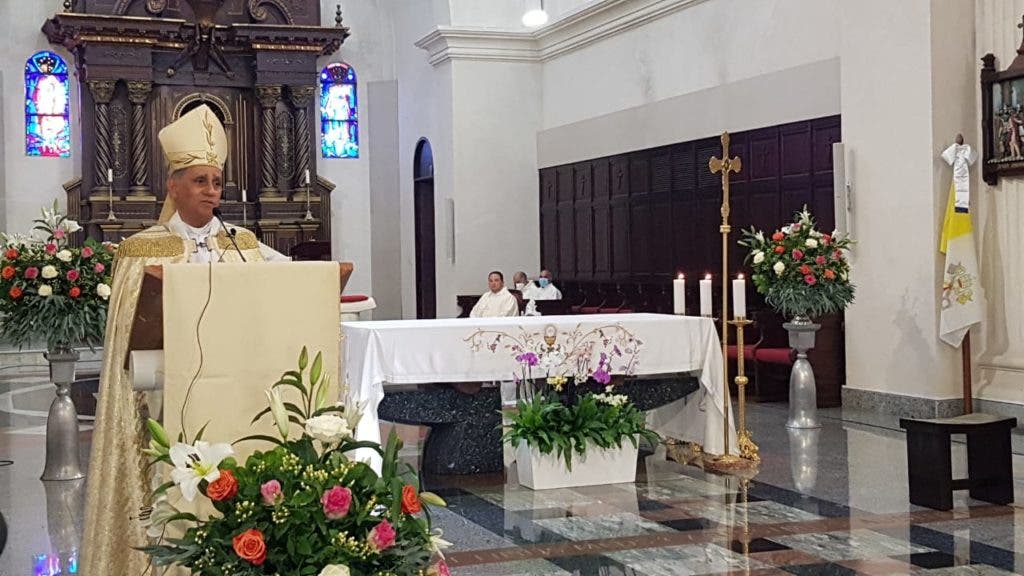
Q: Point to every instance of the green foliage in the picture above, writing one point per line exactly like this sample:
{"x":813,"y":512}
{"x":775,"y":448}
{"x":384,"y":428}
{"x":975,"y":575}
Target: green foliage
{"x":300,"y":539}
{"x":799,"y":270}
{"x":51,"y":291}
{"x":545,"y":423}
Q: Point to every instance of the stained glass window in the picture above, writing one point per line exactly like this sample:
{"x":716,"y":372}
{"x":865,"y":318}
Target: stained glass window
{"x":47,"y":106}
{"x":339,"y":117}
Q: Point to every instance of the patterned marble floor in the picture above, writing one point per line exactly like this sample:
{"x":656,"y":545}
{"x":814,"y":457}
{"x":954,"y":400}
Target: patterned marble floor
{"x":829,"y":501}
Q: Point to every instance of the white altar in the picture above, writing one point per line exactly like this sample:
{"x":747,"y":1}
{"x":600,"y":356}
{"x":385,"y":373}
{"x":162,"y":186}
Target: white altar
{"x":379,"y":353}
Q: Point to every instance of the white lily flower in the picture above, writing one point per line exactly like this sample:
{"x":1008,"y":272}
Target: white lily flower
{"x":278,"y":410}
{"x":155,"y":517}
{"x":71,"y":226}
{"x":193,"y":464}
{"x":437,"y":543}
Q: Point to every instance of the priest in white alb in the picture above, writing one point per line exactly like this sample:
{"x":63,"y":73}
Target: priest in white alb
{"x":497,"y":301}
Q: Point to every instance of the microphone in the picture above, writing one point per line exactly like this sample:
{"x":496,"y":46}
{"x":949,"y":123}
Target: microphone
{"x":231,"y":232}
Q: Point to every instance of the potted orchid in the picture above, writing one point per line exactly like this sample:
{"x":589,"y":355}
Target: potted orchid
{"x":303,"y":507}
{"x":569,"y":426}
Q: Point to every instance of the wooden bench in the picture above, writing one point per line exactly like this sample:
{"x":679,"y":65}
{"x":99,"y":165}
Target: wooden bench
{"x":929,"y":459}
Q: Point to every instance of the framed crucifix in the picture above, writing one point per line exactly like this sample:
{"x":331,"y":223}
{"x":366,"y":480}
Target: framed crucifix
{"x":1002,"y":117}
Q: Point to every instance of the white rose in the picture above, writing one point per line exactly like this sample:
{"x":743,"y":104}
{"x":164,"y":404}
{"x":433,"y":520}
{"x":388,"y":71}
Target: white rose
{"x":64,"y":255}
{"x":758,"y":257}
{"x":335,"y":570}
{"x":779,"y":268}
{"x":103,"y":291}
{"x":328,"y":428}
{"x":49,"y":272}
{"x":45,"y":290}
{"x":811,"y":243}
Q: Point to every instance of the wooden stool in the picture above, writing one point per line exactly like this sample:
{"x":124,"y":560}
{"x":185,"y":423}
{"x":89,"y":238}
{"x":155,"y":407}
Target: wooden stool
{"x":929,"y":460}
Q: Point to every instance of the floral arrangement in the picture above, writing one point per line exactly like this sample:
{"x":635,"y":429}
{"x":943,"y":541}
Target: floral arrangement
{"x":800,"y":271}
{"x":558,"y":408}
{"x":50,"y":290}
{"x":304,"y":507}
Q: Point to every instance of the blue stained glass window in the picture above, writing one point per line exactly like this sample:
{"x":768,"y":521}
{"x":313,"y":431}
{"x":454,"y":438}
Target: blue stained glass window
{"x":47,"y":106}
{"x":339,"y":115}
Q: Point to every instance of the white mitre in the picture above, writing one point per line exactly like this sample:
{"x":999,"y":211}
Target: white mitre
{"x":197,"y":138}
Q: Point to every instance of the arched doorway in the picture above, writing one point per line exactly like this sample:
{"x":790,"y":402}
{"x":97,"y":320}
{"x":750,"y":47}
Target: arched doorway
{"x":423,"y":202}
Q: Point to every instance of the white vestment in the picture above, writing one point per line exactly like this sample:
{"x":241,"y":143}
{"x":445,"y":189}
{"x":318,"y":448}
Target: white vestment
{"x":960,"y":157}
{"x":496,"y":305}
{"x":205,"y":251}
{"x":534,"y":293}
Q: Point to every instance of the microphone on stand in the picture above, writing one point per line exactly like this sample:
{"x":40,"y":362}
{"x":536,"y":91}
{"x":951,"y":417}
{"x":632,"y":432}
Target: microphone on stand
{"x":231,"y":232}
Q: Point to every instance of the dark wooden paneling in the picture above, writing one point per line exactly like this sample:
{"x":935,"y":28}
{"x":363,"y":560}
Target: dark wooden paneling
{"x":584,"y":221}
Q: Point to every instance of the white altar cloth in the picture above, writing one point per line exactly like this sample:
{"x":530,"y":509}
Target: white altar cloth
{"x":424,"y":351}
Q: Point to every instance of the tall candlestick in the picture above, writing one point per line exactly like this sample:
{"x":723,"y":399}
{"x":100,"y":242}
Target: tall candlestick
{"x":739,"y":297}
{"x":244,"y":197}
{"x":679,"y":295}
{"x":705,"y":296}
{"x":110,"y":175}
{"x":307,"y":177}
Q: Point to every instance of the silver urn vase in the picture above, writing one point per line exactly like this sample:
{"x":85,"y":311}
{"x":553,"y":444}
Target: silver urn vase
{"x":62,"y":459}
{"x":803,"y":394}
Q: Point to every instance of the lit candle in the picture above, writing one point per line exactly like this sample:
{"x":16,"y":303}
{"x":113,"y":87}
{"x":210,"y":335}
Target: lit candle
{"x":739,"y":297}
{"x":244,"y":198}
{"x":110,"y":175}
{"x":705,"y":296}
{"x":679,"y":294}
{"x":307,"y":177}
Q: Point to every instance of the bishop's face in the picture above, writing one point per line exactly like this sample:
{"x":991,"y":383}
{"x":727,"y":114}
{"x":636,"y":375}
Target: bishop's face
{"x":196,"y":192}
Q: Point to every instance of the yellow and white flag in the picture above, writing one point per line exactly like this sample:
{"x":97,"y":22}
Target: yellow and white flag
{"x":962,"y":296}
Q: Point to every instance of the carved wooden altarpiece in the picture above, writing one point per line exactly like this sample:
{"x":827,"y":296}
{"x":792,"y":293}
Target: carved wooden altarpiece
{"x":142,"y":63}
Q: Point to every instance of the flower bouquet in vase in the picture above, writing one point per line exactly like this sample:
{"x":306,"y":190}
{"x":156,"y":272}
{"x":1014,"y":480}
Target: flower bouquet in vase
{"x":55,"y":293}
{"x":303,"y":507}
{"x":802,"y":273}
{"x":569,"y":427}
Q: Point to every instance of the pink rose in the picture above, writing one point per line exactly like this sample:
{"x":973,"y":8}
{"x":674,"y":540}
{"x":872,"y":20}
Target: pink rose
{"x":271,"y":491}
{"x":86,"y":252}
{"x":810,"y":279}
{"x":99,"y":268}
{"x":72,"y":275}
{"x":795,"y":227}
{"x":440,"y":569}
{"x":58,"y":234}
{"x":51,"y":248}
{"x":382,"y":536}
{"x":820,"y":260}
{"x":31,"y":273}
{"x":336,"y":502}
{"x":837,"y":255}
{"x":798,"y":254}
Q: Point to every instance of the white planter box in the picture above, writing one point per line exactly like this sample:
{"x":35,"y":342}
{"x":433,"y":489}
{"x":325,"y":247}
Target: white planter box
{"x":544,"y":471}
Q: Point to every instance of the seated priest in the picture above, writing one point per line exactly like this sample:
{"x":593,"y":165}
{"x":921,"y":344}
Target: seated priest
{"x":520,"y":282}
{"x":540,"y":289}
{"x":196,"y":148}
{"x":497,"y":301}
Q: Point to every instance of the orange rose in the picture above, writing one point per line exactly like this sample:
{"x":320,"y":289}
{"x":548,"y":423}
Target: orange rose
{"x":11,"y":253}
{"x":410,"y":500}
{"x":15,"y":293}
{"x":780,"y":249}
{"x":250,"y":547}
{"x":830,"y":275}
{"x":778,"y":236}
{"x":75,"y":292}
{"x":805,"y":269}
{"x":223,"y":488}
{"x":8,"y":272}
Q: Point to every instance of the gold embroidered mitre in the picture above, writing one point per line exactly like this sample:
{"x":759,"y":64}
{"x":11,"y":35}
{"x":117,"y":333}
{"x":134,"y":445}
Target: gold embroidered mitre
{"x":195,"y":139}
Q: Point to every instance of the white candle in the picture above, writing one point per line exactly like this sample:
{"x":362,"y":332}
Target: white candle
{"x":739,"y":297}
{"x":307,"y":177}
{"x":110,"y":175}
{"x":679,"y":295}
{"x":705,"y":296}
{"x":244,"y":198}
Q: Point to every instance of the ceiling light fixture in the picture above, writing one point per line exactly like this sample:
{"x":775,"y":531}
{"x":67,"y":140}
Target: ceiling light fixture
{"x":536,"y":17}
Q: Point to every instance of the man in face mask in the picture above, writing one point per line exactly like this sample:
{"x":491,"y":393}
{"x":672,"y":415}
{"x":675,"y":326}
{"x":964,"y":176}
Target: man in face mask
{"x":520,"y":281}
{"x":541,"y":289}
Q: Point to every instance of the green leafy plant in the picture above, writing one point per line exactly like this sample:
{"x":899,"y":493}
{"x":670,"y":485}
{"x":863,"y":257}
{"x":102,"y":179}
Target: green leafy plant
{"x":52,"y":291}
{"x":303,"y":508}
{"x":799,"y":270}
{"x":602,"y":420}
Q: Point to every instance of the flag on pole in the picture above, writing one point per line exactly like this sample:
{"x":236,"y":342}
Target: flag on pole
{"x":962,"y":296}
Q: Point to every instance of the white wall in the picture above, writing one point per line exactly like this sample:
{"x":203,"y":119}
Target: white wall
{"x":27,"y":184}
{"x":998,"y":217}
{"x":370,"y":50}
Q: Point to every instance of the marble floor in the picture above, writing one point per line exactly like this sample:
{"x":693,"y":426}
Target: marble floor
{"x":828,"y":501}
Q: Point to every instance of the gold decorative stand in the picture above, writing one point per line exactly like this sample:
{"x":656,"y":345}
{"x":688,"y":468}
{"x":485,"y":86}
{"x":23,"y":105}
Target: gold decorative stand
{"x":727,"y":461}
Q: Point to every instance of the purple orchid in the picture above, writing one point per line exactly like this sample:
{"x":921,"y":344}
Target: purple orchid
{"x":528,"y":358}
